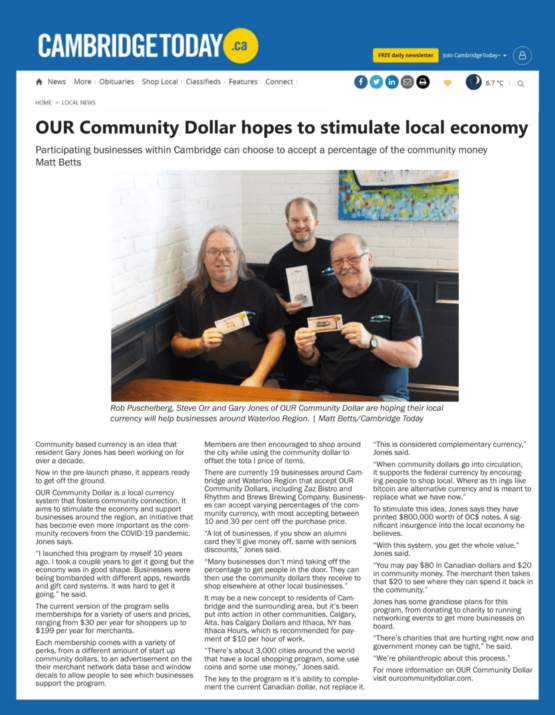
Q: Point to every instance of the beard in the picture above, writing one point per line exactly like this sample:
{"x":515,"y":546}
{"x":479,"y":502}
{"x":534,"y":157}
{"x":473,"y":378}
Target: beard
{"x":302,"y":238}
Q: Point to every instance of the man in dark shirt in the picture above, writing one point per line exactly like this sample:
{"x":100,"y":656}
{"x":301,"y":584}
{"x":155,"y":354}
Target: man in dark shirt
{"x":223,"y":288}
{"x":304,"y":250}
{"x":381,"y":337}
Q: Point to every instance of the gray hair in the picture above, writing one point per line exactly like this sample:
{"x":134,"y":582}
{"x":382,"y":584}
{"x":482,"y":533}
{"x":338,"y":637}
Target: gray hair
{"x":200,"y":282}
{"x":344,"y":237}
{"x":301,"y":200}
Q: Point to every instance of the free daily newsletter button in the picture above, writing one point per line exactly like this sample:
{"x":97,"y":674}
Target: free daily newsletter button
{"x":404,"y":55}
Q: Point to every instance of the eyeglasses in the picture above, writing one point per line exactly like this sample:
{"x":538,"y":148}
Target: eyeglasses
{"x":351,"y":260}
{"x":216,"y":254}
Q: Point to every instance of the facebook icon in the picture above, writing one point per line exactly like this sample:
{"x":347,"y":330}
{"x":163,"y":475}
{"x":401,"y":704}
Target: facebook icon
{"x":361,"y":81}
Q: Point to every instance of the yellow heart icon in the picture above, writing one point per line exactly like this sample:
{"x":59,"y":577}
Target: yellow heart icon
{"x":447,"y":82}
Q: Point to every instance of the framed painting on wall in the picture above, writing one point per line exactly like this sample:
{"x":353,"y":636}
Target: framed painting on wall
{"x":399,"y":195}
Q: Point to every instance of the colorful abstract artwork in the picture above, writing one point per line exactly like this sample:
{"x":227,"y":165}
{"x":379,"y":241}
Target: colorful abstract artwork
{"x":399,"y":195}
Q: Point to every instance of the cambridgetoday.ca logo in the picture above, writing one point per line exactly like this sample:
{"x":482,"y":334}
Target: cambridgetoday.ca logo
{"x":239,"y":45}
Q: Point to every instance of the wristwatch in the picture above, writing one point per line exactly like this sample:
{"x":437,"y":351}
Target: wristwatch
{"x":373,"y":343}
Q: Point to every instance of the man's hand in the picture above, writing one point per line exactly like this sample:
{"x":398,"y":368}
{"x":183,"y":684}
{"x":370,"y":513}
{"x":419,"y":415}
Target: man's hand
{"x":210,"y":339}
{"x":272,"y":351}
{"x":293,"y":308}
{"x":290,"y":308}
{"x":252,"y":381}
{"x":357,"y":335}
{"x":304,"y":340}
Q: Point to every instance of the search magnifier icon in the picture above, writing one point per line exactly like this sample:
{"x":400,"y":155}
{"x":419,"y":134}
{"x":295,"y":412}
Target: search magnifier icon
{"x":520,"y":83}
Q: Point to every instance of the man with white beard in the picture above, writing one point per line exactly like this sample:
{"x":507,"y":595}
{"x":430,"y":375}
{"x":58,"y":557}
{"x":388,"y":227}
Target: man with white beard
{"x":381,"y":337}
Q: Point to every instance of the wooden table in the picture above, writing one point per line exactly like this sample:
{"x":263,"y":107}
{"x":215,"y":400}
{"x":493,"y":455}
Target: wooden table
{"x":148,"y":390}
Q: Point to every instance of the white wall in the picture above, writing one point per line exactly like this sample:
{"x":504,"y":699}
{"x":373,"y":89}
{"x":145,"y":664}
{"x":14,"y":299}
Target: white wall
{"x":397,"y":244}
{"x":160,"y":218}
{"x":158,"y":222}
